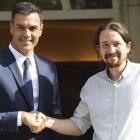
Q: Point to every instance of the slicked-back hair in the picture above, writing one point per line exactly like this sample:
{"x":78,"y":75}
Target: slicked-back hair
{"x":26,"y":8}
{"x":118,"y":27}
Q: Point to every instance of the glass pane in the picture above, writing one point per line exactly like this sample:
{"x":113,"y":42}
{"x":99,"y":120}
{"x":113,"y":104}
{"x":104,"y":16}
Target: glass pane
{"x":91,"y":4}
{"x":8,"y":5}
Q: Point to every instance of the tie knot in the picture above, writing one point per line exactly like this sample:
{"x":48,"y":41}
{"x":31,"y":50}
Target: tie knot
{"x":26,"y":63}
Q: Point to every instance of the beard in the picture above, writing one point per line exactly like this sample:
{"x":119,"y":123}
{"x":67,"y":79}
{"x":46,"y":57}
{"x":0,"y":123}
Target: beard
{"x":113,"y":63}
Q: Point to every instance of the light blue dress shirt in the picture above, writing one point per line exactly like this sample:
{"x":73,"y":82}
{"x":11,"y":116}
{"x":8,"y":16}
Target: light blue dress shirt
{"x":34,"y":76}
{"x":111,"y":107}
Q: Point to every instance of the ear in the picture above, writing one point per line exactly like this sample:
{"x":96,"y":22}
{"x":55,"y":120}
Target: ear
{"x":11,"y":27}
{"x":129,"y":44}
{"x":41,"y":29}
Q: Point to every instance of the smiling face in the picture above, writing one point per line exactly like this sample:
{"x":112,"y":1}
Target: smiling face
{"x":26,"y":31}
{"x":113,"y":49}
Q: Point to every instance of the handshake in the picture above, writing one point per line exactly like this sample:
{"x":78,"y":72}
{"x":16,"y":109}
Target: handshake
{"x":36,"y":121}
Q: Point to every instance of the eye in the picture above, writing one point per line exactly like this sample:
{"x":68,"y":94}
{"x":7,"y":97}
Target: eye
{"x":117,"y":44}
{"x":33,"y":28}
{"x":105,"y":45}
{"x":20,"y":27}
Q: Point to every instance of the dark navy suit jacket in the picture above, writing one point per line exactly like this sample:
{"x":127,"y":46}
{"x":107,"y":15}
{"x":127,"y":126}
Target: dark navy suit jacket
{"x":14,"y":97}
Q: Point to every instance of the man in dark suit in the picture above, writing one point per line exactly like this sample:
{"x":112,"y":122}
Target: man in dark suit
{"x":27,"y":81}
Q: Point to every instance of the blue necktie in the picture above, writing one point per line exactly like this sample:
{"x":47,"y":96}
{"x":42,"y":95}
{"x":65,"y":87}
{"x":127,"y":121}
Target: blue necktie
{"x":28,"y":81}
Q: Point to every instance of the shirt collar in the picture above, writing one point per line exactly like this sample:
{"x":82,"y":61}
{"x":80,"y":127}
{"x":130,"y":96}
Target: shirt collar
{"x":126,"y":72}
{"x":21,"y":58}
{"x":127,"y":69}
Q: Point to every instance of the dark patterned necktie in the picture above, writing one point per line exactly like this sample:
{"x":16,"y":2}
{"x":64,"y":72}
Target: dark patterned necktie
{"x":28,"y":81}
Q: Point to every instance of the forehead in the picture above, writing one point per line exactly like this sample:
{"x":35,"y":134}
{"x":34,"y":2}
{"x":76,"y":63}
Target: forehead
{"x":32,"y":18}
{"x":109,"y":35}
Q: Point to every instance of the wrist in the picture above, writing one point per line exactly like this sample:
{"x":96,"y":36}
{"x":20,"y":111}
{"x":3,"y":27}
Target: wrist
{"x":23,"y":117}
{"x":19,"y":123}
{"x":49,"y":122}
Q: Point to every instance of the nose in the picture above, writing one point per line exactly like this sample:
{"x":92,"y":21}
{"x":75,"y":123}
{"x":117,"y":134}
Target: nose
{"x":111,"y":49}
{"x":26,"y":33}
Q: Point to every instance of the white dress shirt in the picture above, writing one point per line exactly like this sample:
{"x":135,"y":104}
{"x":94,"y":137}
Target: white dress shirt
{"x":111,"y":107}
{"x":34,"y":76}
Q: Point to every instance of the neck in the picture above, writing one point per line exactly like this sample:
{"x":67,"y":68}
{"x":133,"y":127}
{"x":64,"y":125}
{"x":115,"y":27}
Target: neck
{"x":115,"y":73}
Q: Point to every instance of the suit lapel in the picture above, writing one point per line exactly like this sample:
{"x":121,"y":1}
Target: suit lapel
{"x":42,"y":82}
{"x":11,"y":62}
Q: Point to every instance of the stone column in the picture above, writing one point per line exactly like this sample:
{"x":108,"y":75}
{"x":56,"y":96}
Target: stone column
{"x":130,"y":15}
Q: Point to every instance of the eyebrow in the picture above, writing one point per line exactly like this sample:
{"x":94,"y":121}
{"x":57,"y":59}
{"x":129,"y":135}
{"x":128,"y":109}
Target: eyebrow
{"x":113,"y":41}
{"x":104,"y":42}
{"x":23,"y":25}
{"x":18,"y":25}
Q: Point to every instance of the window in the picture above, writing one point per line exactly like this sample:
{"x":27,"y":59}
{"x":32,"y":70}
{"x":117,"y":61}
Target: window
{"x":68,"y":9}
{"x":8,"y":5}
{"x":90,"y":4}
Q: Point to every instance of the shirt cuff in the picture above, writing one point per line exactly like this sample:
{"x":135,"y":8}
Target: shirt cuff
{"x":19,"y":123}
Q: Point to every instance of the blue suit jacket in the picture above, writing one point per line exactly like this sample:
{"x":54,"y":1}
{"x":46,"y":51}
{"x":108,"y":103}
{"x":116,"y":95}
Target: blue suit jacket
{"x":14,"y":98}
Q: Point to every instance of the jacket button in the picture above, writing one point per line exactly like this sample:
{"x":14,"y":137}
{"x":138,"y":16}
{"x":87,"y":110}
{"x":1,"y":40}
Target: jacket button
{"x":2,"y":128}
{"x":5,"y":128}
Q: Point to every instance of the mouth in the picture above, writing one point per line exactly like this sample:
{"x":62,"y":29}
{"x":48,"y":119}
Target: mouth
{"x":25,"y":41}
{"x":112,"y":56}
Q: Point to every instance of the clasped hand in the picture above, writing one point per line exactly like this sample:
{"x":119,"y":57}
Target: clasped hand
{"x":35,"y":120}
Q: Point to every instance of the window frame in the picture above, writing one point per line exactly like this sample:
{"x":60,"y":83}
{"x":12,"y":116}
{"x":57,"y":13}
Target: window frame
{"x":68,"y":13}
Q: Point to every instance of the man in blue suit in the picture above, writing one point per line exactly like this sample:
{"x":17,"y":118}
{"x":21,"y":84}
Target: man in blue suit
{"x":25,"y":88}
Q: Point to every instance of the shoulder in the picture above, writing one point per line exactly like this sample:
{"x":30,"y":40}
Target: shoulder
{"x":94,"y":81}
{"x":96,"y":77}
{"x":92,"y":86}
{"x":5,"y":53}
{"x":45,"y":65}
{"x":44,"y":61}
{"x":134,"y":68}
{"x":135,"y":65}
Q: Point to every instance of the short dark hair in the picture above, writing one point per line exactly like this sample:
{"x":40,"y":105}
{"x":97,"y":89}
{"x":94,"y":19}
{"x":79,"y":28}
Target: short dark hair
{"x":26,"y":8}
{"x":116,"y":26}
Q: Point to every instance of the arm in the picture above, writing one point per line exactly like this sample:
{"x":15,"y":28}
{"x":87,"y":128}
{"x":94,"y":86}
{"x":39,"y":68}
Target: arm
{"x":75,"y":126}
{"x":56,"y":105}
{"x":10,"y":125}
{"x":63,"y":126}
{"x":6,"y":124}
